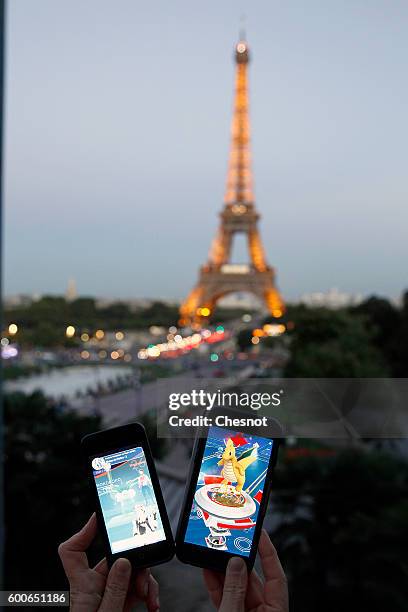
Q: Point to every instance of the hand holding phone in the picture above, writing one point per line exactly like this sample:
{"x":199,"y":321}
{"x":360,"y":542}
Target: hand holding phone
{"x":239,"y":591}
{"x":227,"y":495}
{"x":127,"y":497}
{"x":101,"y":589}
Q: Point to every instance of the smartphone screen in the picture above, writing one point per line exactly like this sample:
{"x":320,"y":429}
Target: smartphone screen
{"x":128,"y":502}
{"x":229,"y":491}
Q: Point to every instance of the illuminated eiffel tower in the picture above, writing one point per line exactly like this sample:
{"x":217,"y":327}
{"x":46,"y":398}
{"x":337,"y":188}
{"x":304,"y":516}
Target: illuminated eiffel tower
{"x":218,"y":276}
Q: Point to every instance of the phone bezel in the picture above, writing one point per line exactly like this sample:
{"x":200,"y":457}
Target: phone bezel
{"x":194,"y":554}
{"x":113,"y":440}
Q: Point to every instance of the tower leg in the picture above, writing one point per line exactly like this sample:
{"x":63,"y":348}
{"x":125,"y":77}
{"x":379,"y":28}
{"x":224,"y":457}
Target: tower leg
{"x":196,"y":309}
{"x":256,"y":251}
{"x":189,"y":307}
{"x":221,"y":248}
{"x":274,"y":302}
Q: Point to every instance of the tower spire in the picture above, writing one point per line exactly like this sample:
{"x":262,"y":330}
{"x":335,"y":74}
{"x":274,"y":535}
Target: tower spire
{"x":239,"y":189}
{"x":242,"y":29}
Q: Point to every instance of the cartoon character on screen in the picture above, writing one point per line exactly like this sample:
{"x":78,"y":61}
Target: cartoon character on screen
{"x":234,"y":469}
{"x":144,"y":520}
{"x":140,"y":520}
{"x":222,"y":503}
{"x":145,"y":487}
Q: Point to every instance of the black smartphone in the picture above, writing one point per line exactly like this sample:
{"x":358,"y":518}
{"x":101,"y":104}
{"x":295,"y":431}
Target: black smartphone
{"x":227,"y":493}
{"x":126,"y":492}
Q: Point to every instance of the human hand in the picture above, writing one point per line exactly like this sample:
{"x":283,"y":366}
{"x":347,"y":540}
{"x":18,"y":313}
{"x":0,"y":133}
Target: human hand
{"x":100,"y":589}
{"x":236,"y":592}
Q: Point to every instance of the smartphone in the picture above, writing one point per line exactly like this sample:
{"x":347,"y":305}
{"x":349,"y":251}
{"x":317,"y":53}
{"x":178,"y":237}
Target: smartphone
{"x":126,"y":493}
{"x":227,"y":495}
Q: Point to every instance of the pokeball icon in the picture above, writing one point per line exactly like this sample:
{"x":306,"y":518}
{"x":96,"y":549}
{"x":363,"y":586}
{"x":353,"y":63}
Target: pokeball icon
{"x":99,"y":463}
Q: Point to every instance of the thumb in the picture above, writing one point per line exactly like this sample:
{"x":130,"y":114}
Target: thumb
{"x":117,"y":586}
{"x":235,"y":586}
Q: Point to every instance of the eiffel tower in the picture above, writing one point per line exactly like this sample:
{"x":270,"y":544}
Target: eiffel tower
{"x":218,"y":277}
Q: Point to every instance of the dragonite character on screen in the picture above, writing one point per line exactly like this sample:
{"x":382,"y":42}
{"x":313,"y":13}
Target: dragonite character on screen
{"x":234,"y":469}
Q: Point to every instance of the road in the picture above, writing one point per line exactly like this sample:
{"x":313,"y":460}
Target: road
{"x":130,"y":404}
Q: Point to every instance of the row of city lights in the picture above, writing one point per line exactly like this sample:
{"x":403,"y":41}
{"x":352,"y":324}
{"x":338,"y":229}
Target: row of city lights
{"x":7,"y":350}
{"x":269,"y":329}
{"x":114,"y":355}
{"x":176,"y":343}
{"x":85,"y":337}
{"x":70,"y":332}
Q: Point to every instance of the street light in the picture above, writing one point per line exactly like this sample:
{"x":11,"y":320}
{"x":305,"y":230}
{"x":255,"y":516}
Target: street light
{"x":70,"y":331}
{"x":12,"y":329}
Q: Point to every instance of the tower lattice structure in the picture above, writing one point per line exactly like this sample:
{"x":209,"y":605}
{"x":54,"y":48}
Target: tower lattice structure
{"x":218,"y":277}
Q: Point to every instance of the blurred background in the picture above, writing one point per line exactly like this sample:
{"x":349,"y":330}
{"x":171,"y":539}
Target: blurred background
{"x":117,"y":133}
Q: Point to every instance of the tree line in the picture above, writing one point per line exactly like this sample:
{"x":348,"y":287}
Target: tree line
{"x":368,"y":340}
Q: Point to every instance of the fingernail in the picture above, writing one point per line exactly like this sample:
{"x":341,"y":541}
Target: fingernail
{"x":236,"y":565}
{"x":123,"y":567}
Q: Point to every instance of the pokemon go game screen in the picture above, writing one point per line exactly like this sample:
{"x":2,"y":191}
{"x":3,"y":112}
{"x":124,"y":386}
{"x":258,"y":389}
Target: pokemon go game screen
{"x":229,"y":491}
{"x":127,"y":500}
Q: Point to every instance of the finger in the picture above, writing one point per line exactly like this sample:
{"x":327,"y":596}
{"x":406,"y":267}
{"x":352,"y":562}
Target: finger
{"x":117,"y":586}
{"x":102,"y":567}
{"x":138,"y":588}
{"x":255,"y":589}
{"x":235,"y":586}
{"x":141,"y":584}
{"x":271,"y":565}
{"x":255,"y":581}
{"x":276,"y":588}
{"x":214,"y":583}
{"x":153,"y":601}
{"x":80,"y":541}
{"x":72,"y":551}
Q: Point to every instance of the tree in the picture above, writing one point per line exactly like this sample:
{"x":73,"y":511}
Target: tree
{"x":344,"y":532}
{"x":43,"y":323}
{"x":159,"y":313}
{"x":381,"y":317}
{"x":388,"y":326}
{"x":46,"y":490}
{"x":83,"y":310}
{"x":332,"y":344}
{"x":46,"y":487}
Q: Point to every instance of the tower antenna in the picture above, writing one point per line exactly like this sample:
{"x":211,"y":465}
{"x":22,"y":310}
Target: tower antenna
{"x":242,"y":27}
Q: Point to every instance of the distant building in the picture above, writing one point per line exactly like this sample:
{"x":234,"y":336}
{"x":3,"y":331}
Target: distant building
{"x":138,"y":303}
{"x":20,"y":300}
{"x":71,"y":293}
{"x":333,"y":298}
{"x":135,"y":304}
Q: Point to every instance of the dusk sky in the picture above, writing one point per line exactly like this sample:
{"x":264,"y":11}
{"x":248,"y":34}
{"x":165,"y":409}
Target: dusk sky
{"x":117,"y":137}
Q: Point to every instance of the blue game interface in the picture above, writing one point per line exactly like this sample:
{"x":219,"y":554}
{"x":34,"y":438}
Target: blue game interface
{"x":127,"y":500}
{"x":229,"y":491}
